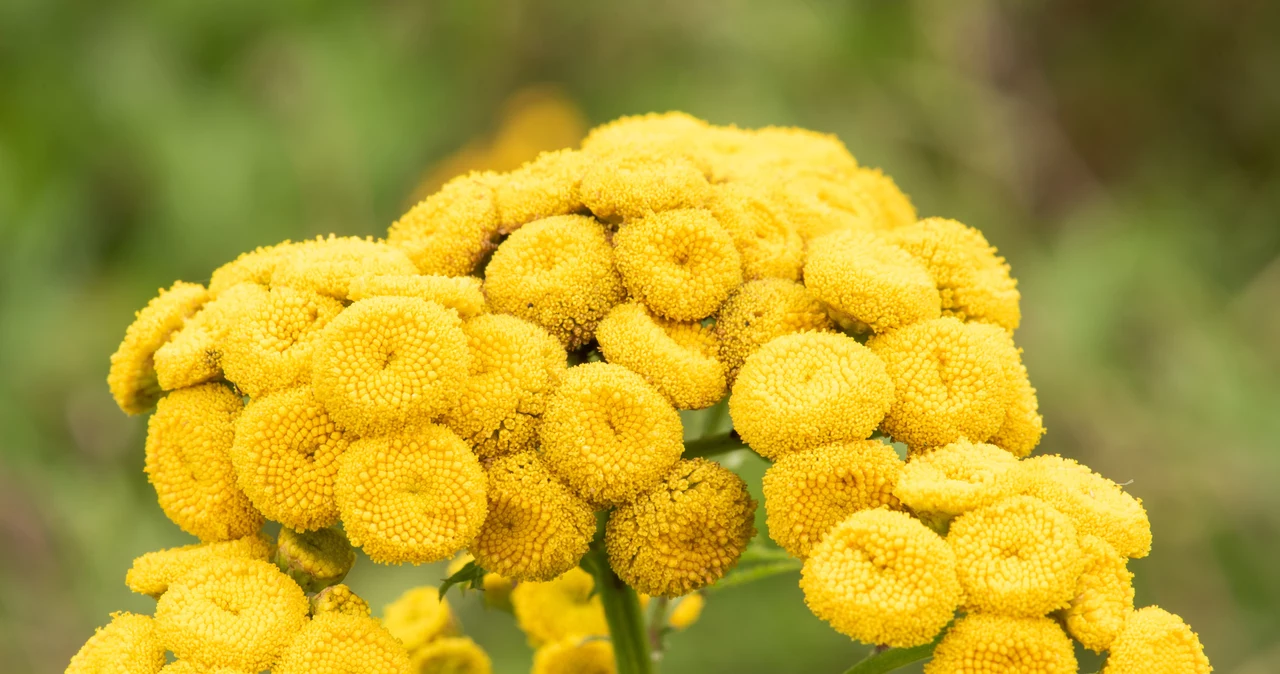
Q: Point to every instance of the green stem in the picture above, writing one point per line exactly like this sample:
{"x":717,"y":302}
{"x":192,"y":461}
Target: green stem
{"x":888,"y":660}
{"x":713,"y":445}
{"x":622,"y":611}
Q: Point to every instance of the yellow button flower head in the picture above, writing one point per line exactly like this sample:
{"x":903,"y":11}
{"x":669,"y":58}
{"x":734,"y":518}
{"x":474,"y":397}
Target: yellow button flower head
{"x":686,"y":610}
{"x":418,"y":617}
{"x":336,"y":643}
{"x":808,"y":389}
{"x":1016,"y":557}
{"x":128,"y":644}
{"x":1023,"y":426}
{"x":514,"y":367}
{"x":679,"y":359}
{"x":948,"y":383}
{"x":339,"y":599}
{"x":275,"y":334}
{"x":993,"y":644}
{"x":184,"y":667}
{"x":770,"y":248}
{"x":542,"y":188}
{"x":188,"y":462}
{"x":683,"y":534}
{"x":1104,"y":596}
{"x":327,"y":265}
{"x":1097,"y":506}
{"x":132,"y":378}
{"x":776,"y":149}
{"x":806,"y":493}
{"x":449,"y":232}
{"x":892,"y":205}
{"x":152,"y":573}
{"x":575,"y":655}
{"x":632,"y":183}
{"x":460,"y":293}
{"x":234,"y":613}
{"x":1155,"y":641}
{"x":956,"y":478}
{"x":390,"y":361}
{"x":286,"y":455}
{"x":672,"y":134}
{"x":193,"y":355}
{"x":255,"y":267}
{"x":418,"y":496}
{"x":973,"y":279}
{"x":451,"y":655}
{"x":759,"y":311}
{"x":680,"y":263}
{"x":558,"y":273}
{"x":314,"y":559}
{"x":882,"y":577}
{"x":608,"y":434}
{"x":536,"y":529}
{"x":497,"y":589}
{"x":870,"y":281}
{"x":556,"y":609}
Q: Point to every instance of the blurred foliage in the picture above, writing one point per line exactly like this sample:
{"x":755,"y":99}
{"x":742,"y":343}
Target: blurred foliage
{"x":1124,"y":156}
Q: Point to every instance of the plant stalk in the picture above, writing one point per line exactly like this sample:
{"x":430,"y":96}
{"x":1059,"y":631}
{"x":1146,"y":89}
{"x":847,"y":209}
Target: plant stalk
{"x":622,"y":611}
{"x":713,"y":445}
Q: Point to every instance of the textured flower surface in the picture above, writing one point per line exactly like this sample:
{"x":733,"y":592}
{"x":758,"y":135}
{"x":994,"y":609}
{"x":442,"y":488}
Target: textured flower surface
{"x":956,"y":478}
{"x":1104,"y":596}
{"x":339,"y":599}
{"x":132,"y":378}
{"x":152,"y":573}
{"x":557,"y":609}
{"x":992,"y":644}
{"x":679,"y":359}
{"x":1155,"y":641}
{"x":761,"y":310}
{"x":337,"y":643}
{"x":1097,"y":506}
{"x":127,"y":644}
{"x":682,"y":264}
{"x":871,"y":281}
{"x":418,"y":617}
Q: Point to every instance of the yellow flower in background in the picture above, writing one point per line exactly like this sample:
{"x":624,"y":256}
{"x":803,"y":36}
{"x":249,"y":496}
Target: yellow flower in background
{"x":993,"y":644}
{"x":1104,"y":596}
{"x":132,"y":378}
{"x":418,"y":617}
{"x":686,"y":610}
{"x":275,"y":333}
{"x":956,"y":478}
{"x":336,"y":643}
{"x":869,"y":281}
{"x":451,"y":655}
{"x":762,"y":310}
{"x":1155,"y":641}
{"x":1097,"y":506}
{"x":557,"y":609}
{"x":339,"y":599}
{"x":575,"y":655}
{"x":680,"y":263}
{"x":152,"y":573}
{"x":460,"y":293}
{"x":127,"y":644}
{"x":679,"y":359}
{"x":496,"y":589}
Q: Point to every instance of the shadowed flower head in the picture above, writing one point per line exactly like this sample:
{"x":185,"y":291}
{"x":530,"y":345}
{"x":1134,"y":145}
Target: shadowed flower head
{"x":681,"y":264}
{"x":339,"y":599}
{"x":314,"y":559}
{"x":759,"y":311}
{"x":575,"y":655}
{"x":769,"y":246}
{"x":1156,"y":641}
{"x":679,"y":359}
{"x":418,"y":617}
{"x":337,"y":643}
{"x":1104,"y":596}
{"x":994,"y":644}
{"x":554,"y":610}
{"x":132,"y":378}
{"x":869,"y":281}
{"x":956,"y":478}
{"x":152,"y":573}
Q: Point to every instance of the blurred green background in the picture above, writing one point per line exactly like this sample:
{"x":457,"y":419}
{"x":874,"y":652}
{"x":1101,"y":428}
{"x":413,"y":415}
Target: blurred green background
{"x":1124,"y":156}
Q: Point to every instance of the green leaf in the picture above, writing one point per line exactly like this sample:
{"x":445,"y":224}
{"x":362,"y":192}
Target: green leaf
{"x":469,"y":577}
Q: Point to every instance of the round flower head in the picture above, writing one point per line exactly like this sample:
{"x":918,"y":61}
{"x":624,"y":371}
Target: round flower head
{"x":947,"y":381}
{"x":184,"y":667}
{"x":132,"y":378}
{"x":270,"y":345}
{"x":1155,"y":641}
{"x":681,"y":264}
{"x":449,"y":232}
{"x":775,"y":149}
{"x":994,"y":644}
{"x":686,"y":610}
{"x":418,"y":617}
{"x":497,"y":589}
{"x":956,"y":478}
{"x":892,"y":206}
{"x":286,"y":455}
{"x":128,"y":644}
{"x":152,"y":573}
{"x":1023,"y":426}
{"x":451,"y":655}
{"x":390,"y":361}
{"x":336,"y":643}
{"x":683,"y":534}
{"x":1016,"y":557}
{"x":806,"y":493}
{"x":808,"y":389}
{"x":255,"y":267}
{"x":609,"y":434}
{"x":818,"y":202}
{"x":556,"y":609}
{"x":413,"y":497}
{"x":188,"y":462}
{"x":315,"y":559}
{"x":234,"y":613}
{"x":972,"y":278}
{"x":1097,"y":506}
{"x":1104,"y":596}
{"x":882,"y":577}
{"x":536,"y":528}
{"x":679,"y":359}
{"x":339,"y":599}
{"x":633,"y":183}
{"x":460,"y":293}
{"x":870,"y":281}
{"x":514,"y":367}
{"x":193,"y":355}
{"x":770,"y":248}
{"x":542,"y":188}
{"x":673,"y":134}
{"x":327,"y":265}
{"x":575,"y":655}
{"x":761,"y":310}
{"x":558,"y":273}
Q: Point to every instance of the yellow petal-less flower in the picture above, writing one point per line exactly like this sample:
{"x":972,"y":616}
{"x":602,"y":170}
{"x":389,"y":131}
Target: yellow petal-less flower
{"x":336,"y":643}
{"x":893,"y":207}
{"x":575,"y":655}
{"x":1103,"y":599}
{"x":451,"y":655}
{"x":449,"y":232}
{"x":759,"y":311}
{"x":681,"y":264}
{"x":626,"y":184}
{"x":992,"y":644}
{"x":870,"y":281}
{"x":956,"y":478}
{"x":1097,"y":506}
{"x":542,"y":188}
{"x":418,"y":617}
{"x":184,"y":667}
{"x":776,"y":149}
{"x":152,"y":573}
{"x":770,"y":248}
{"x":1155,"y":641}
{"x":687,"y":610}
{"x":460,"y":293}
{"x":132,"y":378}
{"x":327,"y":265}
{"x":818,"y":201}
{"x":314,"y":559}
{"x":669,"y":134}
{"x":1023,"y":426}
{"x":339,"y":599}
{"x":679,"y":359}
{"x":554,"y":610}
{"x":127,"y":645}
{"x":193,"y":355}
{"x":255,"y":267}
{"x":274,"y":336}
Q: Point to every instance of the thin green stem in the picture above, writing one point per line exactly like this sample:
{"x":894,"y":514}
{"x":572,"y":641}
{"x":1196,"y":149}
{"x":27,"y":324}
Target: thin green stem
{"x":622,"y":611}
{"x":713,"y":445}
{"x":880,"y":661}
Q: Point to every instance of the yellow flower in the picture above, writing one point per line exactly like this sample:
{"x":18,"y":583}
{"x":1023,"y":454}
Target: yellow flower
{"x":1097,"y":506}
{"x":759,"y":311}
{"x":387,"y":362}
{"x":545,"y":187}
{"x":1023,"y":426}
{"x":804,"y":390}
{"x":152,"y":573}
{"x":556,"y":609}
{"x":1017,"y":557}
{"x":893,"y":207}
{"x":681,"y":263}
{"x":255,"y":267}
{"x":336,"y":643}
{"x":575,"y":655}
{"x":184,"y":667}
{"x":451,"y":655}
{"x":806,"y":493}
{"x":127,"y":645}
{"x":630,"y":183}
{"x":686,"y":610}
{"x":817,"y":201}
{"x":672,"y":134}
{"x":956,"y":478}
{"x":870,"y":281}
{"x":1155,"y":641}
{"x":993,"y":644}
{"x":275,"y":333}
{"x":193,"y":355}
{"x":775,"y":150}
{"x":339,"y":599}
{"x":235,"y":613}
{"x":188,"y":462}
{"x":609,"y":434}
{"x":557,"y":273}
{"x":536,"y":529}
{"x":418,"y":617}
{"x":1104,"y":596}
{"x":882,"y":577}
{"x":770,"y":248}
{"x":679,"y":359}
{"x":315,"y":559}
{"x":460,"y":293}
{"x":497,"y":589}
{"x":449,"y":232}
{"x":132,"y":378}
{"x":327,"y":265}
{"x":418,"y":496}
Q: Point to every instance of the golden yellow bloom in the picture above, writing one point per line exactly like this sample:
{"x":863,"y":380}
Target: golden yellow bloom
{"x":275,"y":333}
{"x":948,"y":383}
{"x":336,"y":643}
{"x":870,"y":281}
{"x":132,"y":378}
{"x":536,"y":529}
{"x":882,"y":577}
{"x":608,"y":434}
{"x":542,"y":188}
{"x":327,"y":265}
{"x":193,"y":355}
{"x":575,"y":655}
{"x":893,"y":207}
{"x":460,"y":293}
{"x":235,"y":613}
{"x":184,"y":667}
{"x":556,"y":609}
{"x":418,"y":496}
{"x":686,"y":610}
{"x":152,"y":573}
{"x":993,"y":644}
{"x":972,"y":278}
{"x":188,"y":462}
{"x":1104,"y":596}
{"x":1017,"y":557}
{"x":631,"y":183}
{"x":1023,"y":426}
{"x":128,"y":645}
{"x":817,"y":201}
{"x":314,"y":559}
{"x":1155,"y":641}
{"x":257,"y":267}
{"x":759,"y":311}
{"x":286,"y":455}
{"x":451,"y":655}
{"x":449,"y":232}
{"x":1097,"y":506}
{"x":770,"y":248}
{"x":806,"y":493}
{"x":496,"y":588}
{"x":671,"y":134}
{"x":776,"y":149}
{"x":680,"y":263}
{"x":679,"y":359}
{"x":514,"y":367}
{"x":387,"y":362}
{"x":339,"y":599}
{"x":418,"y":617}
{"x":956,"y":478}
{"x":808,"y":389}
{"x":558,"y":273}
